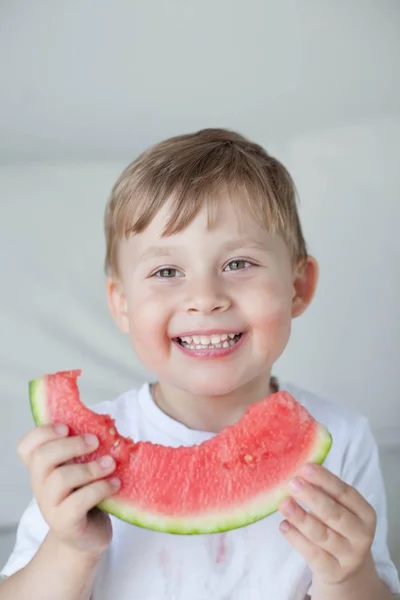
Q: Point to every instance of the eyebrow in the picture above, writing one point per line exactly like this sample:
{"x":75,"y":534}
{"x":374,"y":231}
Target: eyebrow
{"x":154,"y":251}
{"x":244,"y":242}
{"x":158,"y":251}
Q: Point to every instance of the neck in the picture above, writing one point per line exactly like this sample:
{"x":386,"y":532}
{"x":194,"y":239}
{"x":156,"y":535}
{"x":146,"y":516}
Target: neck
{"x":211,"y":413}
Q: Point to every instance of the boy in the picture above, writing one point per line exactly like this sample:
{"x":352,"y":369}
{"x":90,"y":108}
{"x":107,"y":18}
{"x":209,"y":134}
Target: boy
{"x":206,"y":266}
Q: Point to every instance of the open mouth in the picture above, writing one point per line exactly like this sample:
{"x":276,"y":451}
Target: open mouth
{"x":209,"y":342}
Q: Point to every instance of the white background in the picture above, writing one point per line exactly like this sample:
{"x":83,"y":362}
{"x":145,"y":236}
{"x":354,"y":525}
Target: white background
{"x":87,"y":85}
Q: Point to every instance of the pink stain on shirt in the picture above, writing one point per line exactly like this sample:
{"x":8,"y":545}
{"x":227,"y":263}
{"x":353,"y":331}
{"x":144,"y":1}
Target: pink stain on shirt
{"x":222,"y":550}
{"x":164,"y":561}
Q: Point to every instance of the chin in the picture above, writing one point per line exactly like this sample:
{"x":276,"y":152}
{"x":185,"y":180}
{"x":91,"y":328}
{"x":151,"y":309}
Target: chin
{"x":211,"y":386}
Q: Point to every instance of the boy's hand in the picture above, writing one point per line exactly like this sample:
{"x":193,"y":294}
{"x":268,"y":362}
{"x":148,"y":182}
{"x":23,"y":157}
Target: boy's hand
{"x":66,"y":492}
{"x":335,"y":538}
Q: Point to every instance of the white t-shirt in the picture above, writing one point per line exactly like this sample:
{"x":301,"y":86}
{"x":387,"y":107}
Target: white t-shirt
{"x":251,"y":563}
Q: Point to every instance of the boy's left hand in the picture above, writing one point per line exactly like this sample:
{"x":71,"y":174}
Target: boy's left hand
{"x":336,"y":536}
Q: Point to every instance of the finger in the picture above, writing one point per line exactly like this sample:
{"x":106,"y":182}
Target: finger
{"x":62,"y":481}
{"x":343,"y":493}
{"x":325,"y":508}
{"x":37,"y":437}
{"x":314,"y":530}
{"x":55,"y":453}
{"x":76,"y":506}
{"x":317,"y":558}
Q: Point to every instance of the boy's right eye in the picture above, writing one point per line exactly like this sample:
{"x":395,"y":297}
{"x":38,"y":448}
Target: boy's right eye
{"x":167,"y":273}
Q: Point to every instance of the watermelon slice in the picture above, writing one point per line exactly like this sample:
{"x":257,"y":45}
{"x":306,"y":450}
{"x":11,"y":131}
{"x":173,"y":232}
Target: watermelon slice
{"x":237,"y":477}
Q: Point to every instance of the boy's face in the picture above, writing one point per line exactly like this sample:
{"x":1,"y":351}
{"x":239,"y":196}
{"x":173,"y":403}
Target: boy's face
{"x":182,"y":298}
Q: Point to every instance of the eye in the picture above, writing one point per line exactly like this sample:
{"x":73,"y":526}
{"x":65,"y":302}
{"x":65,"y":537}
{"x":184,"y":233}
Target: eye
{"x":237,"y":265}
{"x":167,"y":273}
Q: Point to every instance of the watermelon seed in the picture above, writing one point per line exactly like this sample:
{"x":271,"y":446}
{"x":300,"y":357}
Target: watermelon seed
{"x":248,"y":458}
{"x":116,"y":443}
{"x":112,"y":431}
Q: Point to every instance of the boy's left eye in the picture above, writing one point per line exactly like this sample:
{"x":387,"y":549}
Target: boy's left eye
{"x":237,"y":265}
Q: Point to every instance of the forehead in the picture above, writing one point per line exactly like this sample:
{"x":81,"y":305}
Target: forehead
{"x":222,"y":213}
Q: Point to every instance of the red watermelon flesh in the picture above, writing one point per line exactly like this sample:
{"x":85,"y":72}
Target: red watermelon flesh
{"x":237,"y":477}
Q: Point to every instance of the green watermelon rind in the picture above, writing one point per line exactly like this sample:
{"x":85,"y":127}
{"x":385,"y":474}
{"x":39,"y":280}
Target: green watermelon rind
{"x":216,"y":522}
{"x":37,"y":396}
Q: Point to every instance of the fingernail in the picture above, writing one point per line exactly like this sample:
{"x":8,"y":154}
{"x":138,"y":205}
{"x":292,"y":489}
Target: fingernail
{"x":106,"y":462}
{"x":296,"y":484}
{"x":285,"y":526}
{"x":60,"y":429}
{"x":309,"y":470}
{"x":90,"y":439}
{"x":287,"y":507}
{"x":115,"y":482}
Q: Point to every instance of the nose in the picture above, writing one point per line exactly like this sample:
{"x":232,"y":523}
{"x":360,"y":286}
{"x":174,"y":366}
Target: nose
{"x":205,"y":298}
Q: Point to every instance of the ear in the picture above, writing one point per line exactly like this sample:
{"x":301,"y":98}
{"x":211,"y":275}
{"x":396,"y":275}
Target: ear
{"x":304,"y":285}
{"x":117,"y":304}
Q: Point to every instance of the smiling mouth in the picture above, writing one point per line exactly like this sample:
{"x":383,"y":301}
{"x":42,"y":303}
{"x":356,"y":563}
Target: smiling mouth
{"x":201,"y":342}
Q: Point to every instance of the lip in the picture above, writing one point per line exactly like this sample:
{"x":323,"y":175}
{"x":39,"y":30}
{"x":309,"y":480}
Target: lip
{"x":210,"y":353}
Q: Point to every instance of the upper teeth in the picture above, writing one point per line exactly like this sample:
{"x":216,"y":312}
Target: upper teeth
{"x":206,"y":340}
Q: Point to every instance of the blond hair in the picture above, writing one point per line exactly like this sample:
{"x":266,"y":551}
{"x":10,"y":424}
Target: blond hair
{"x":196,"y":169}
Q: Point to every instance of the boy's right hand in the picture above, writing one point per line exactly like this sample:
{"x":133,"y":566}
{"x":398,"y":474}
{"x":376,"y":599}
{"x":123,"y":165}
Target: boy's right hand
{"x":66,"y":492}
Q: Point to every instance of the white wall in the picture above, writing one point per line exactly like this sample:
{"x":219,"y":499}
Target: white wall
{"x":53,"y":313}
{"x":94,"y":78}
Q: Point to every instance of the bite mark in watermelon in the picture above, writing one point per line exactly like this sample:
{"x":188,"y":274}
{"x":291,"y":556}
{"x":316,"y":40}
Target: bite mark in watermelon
{"x":236,"y":478}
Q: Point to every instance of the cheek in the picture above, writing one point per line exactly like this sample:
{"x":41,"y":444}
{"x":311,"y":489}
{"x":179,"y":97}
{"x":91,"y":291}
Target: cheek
{"x":273,"y":328}
{"x":148,"y":327}
{"x":270,"y":311}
